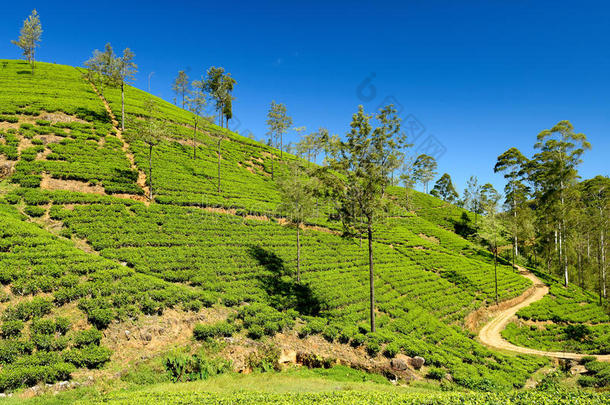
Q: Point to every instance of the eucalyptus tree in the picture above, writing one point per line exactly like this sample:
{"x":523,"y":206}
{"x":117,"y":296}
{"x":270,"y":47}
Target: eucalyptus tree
{"x":195,"y":102}
{"x":425,"y":170}
{"x":596,"y":194}
{"x":181,"y":86}
{"x":150,"y":131}
{"x":297,"y":196}
{"x":364,"y":160}
{"x":279,"y":123}
{"x":514,"y":166}
{"x":445,"y":190}
{"x":29,"y":37}
{"x":219,"y":85}
{"x":407,"y":177}
{"x":472,"y":197}
{"x":556,"y":172}
{"x":227,"y":84}
{"x":491,"y":226}
{"x":104,"y":66}
{"x":123,"y":73}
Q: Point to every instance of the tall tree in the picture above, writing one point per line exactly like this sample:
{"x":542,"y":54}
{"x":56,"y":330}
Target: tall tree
{"x":219,"y":86}
{"x":195,"y":102}
{"x":514,"y":166}
{"x":227,"y":84}
{"x":491,"y":227}
{"x":407,"y":176}
{"x":425,"y":170}
{"x":150,"y":131}
{"x":103,"y":65}
{"x":124,"y":71}
{"x":364,"y":160}
{"x":472,"y":197}
{"x":181,"y":86}
{"x":296,"y":190}
{"x":279,"y":123}
{"x":556,"y":171}
{"x":445,"y":190}
{"x":597,"y":198}
{"x":29,"y":38}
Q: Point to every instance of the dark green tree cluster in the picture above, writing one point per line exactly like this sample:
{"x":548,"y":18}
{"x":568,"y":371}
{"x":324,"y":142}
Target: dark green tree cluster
{"x":553,"y":217}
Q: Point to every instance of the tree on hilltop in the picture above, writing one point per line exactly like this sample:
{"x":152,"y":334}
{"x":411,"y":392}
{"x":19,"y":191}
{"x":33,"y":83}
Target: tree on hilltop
{"x":296,"y":190}
{"x":124,"y":71}
{"x":445,"y":190}
{"x":278,"y":123}
{"x":181,"y":86}
{"x":150,"y":131}
{"x":425,"y":170}
{"x":491,"y":228}
{"x":29,"y":37}
{"x":364,"y":161}
{"x":195,"y":103}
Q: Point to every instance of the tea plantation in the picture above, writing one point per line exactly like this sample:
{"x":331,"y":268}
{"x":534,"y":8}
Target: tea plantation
{"x":82,"y":249}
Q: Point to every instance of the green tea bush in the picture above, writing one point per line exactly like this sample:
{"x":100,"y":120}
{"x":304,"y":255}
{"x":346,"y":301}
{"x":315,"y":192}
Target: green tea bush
{"x":34,"y":211}
{"x":11,"y":329}
{"x":219,"y":329}
{"x":91,"y":356}
{"x":87,"y":337}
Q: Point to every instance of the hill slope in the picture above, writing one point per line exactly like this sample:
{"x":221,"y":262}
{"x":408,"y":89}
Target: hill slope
{"x":80,"y":241}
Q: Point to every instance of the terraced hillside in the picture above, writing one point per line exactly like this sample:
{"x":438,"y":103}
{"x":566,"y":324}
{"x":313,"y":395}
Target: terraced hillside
{"x":83,"y":250}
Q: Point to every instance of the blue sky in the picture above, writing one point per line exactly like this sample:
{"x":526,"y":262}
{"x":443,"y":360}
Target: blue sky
{"x":479,"y":76}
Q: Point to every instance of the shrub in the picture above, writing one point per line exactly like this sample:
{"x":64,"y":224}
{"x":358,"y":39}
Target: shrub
{"x":90,"y":356}
{"x":11,"y":328}
{"x":181,"y":367}
{"x":358,"y":340}
{"x":205,"y":332}
{"x":34,"y":211}
{"x":372,"y":348}
{"x":100,"y":317}
{"x":87,"y":337}
{"x":256,"y":332}
{"x":42,"y":326}
{"x":391,"y":350}
{"x":587,"y":359}
{"x":266,"y":358}
{"x":435,"y":373}
{"x":330,"y":333}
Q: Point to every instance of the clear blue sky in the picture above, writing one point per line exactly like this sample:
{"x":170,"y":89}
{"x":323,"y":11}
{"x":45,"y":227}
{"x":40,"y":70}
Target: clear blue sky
{"x":481,"y":76}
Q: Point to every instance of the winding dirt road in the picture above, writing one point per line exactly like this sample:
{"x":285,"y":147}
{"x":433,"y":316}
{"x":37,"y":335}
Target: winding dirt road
{"x":490,"y":333}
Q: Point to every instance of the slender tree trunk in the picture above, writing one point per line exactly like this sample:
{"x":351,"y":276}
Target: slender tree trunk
{"x":122,"y":106}
{"x":371,"y":275}
{"x":298,"y":253}
{"x":150,"y":179}
{"x":496,"y":265}
{"x":194,"y":145}
{"x":603,"y":263}
{"x":219,"y":139}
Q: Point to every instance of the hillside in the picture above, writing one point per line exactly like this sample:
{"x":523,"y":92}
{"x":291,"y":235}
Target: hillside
{"x":93,"y":274}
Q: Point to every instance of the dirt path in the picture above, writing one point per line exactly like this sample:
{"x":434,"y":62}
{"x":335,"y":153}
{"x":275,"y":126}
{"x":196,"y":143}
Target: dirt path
{"x":119,"y":134}
{"x":490,"y":333}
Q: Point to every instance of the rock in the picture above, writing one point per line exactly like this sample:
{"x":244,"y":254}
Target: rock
{"x":288,"y":357}
{"x":417,"y":362}
{"x":399,"y":363}
{"x":448,"y":377}
{"x":127,"y":334}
